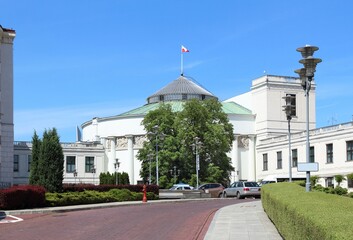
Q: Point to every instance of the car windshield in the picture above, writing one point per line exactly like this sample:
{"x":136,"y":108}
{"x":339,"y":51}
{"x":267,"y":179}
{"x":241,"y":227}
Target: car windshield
{"x":251,"y":184}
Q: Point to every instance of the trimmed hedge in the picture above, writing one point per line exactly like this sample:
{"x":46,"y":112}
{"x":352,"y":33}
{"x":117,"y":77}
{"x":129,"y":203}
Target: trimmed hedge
{"x":89,"y":197}
{"x":104,"y":188}
{"x":19,"y":197}
{"x":307,"y":215}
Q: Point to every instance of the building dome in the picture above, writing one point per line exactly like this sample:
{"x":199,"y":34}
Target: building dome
{"x":181,"y":89}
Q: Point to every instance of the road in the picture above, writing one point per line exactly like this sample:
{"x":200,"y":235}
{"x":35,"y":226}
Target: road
{"x":174,"y":220}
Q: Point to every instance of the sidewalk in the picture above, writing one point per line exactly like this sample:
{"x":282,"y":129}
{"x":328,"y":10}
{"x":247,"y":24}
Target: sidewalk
{"x":244,"y":221}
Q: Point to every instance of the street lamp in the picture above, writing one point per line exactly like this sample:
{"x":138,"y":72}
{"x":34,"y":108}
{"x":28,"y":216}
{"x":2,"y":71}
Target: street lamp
{"x":290,"y":111}
{"x":306,"y":76}
{"x":116,"y":166}
{"x":174,"y":172}
{"x":159,"y":137}
{"x":75,"y":175}
{"x":150,"y":155}
{"x":196,"y":147}
{"x":93,"y":170}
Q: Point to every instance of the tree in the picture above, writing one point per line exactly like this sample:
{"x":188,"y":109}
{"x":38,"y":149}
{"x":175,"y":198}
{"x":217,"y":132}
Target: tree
{"x":168,"y":147}
{"x":202,"y":119}
{"x":34,"y":174}
{"x":339,"y":179}
{"x":207,"y":121}
{"x":50,"y":167}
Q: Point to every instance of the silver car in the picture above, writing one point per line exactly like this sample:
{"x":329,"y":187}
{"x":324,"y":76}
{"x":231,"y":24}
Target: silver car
{"x":243,"y":189}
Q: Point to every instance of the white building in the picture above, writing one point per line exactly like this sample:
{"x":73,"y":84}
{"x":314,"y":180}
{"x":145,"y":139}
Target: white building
{"x":6,"y":106}
{"x":259,"y":151}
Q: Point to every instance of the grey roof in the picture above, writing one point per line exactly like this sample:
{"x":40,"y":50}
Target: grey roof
{"x":178,"y":90}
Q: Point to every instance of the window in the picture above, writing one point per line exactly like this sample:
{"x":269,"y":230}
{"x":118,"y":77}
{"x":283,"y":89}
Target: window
{"x":329,"y":182}
{"x":70,"y":164}
{"x":312,"y":154}
{"x":89,"y":165}
{"x":329,"y":153}
{"x":295,"y":158}
{"x":264,"y":162}
{"x":279,"y":160}
{"x":16,"y":163}
{"x":350,"y":182}
{"x":349,"y":151}
{"x":184,"y":97}
{"x":29,"y":161}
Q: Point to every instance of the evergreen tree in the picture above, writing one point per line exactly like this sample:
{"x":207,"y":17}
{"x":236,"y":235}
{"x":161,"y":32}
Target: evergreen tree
{"x":51,"y":162}
{"x":34,"y":171}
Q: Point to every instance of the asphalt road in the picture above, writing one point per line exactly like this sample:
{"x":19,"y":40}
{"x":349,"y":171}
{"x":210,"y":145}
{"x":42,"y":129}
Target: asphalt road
{"x":175,"y":220}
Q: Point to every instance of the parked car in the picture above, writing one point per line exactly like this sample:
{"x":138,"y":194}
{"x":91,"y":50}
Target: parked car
{"x":266,"y":182}
{"x":181,"y":186}
{"x":216,"y":189}
{"x":243,"y":189}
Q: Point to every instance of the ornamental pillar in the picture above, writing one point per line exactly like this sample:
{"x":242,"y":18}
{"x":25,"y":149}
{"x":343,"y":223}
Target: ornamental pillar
{"x":130,"y":158}
{"x":251,"y":157}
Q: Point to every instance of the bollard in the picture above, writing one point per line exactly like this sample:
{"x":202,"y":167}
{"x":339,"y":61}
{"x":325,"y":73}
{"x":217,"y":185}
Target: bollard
{"x":144,"y":199}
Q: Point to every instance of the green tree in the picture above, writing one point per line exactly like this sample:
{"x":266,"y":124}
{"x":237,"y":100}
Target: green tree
{"x":34,"y":173}
{"x":339,"y":179}
{"x":51,"y":162}
{"x":207,"y":121}
{"x":202,"y":119}
{"x":313,"y":180}
{"x":163,"y":138}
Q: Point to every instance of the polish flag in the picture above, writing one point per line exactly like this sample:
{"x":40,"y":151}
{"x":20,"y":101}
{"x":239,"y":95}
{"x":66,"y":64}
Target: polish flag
{"x":184,"y":49}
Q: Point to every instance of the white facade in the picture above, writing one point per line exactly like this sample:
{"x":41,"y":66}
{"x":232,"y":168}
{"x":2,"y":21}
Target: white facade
{"x":6,"y":106}
{"x":259,"y":151}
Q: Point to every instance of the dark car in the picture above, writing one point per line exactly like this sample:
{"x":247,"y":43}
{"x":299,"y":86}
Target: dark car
{"x":243,"y":189}
{"x":215,"y":189}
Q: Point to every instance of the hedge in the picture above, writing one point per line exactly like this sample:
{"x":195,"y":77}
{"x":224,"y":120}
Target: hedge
{"x":103,"y":188}
{"x":298,"y":214}
{"x":89,"y":197}
{"x":19,"y":197}
{"x":30,"y":196}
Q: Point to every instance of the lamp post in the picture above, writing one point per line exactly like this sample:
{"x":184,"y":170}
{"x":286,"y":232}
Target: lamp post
{"x":306,"y":76}
{"x":174,"y":172}
{"x":150,"y":155}
{"x":196,"y":146}
{"x":290,"y":111}
{"x":75,"y":175}
{"x":116,"y":166}
{"x":93,"y":170}
{"x":158,"y":137}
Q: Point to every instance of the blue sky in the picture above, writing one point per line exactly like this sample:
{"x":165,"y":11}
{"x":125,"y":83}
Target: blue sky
{"x":75,"y":60}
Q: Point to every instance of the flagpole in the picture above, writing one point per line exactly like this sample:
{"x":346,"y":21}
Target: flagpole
{"x":181,"y":64}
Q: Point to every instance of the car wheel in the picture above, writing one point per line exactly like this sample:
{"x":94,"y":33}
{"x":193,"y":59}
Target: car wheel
{"x":220,"y":195}
{"x":224,"y":195}
{"x":238,"y":195}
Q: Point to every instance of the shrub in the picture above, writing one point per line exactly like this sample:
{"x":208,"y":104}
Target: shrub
{"x":339,"y":178}
{"x":89,"y":196}
{"x":313,"y":180}
{"x":340,"y":190}
{"x":104,"y":188}
{"x":19,"y":197}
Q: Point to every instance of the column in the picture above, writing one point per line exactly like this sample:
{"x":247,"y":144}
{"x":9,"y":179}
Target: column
{"x":130,"y":160}
{"x":112,"y":155}
{"x":251,"y":157}
{"x":235,"y":160}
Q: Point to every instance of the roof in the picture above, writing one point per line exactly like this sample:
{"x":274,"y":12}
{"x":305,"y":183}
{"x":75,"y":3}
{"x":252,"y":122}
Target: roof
{"x":180,"y":89}
{"x":177,"y":106}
